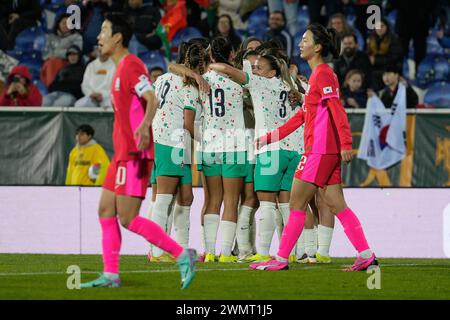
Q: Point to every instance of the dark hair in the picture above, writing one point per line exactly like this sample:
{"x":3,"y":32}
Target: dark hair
{"x":241,"y":55}
{"x":280,"y":12}
{"x":58,"y":21}
{"x":203,"y":42}
{"x":195,"y":58}
{"x":326,"y":38}
{"x":221,"y":49}
{"x":120,"y":23}
{"x":217,"y":33}
{"x":86,"y":129}
{"x":156,"y":69}
{"x":182,"y":48}
{"x":245,"y":43}
{"x":280,"y":65}
{"x":352,"y":35}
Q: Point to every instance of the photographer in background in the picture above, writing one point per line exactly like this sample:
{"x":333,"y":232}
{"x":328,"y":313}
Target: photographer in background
{"x":20,"y":91}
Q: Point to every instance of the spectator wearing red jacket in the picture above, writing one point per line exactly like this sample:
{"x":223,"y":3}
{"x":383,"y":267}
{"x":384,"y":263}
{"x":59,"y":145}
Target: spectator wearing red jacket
{"x":20,"y":90}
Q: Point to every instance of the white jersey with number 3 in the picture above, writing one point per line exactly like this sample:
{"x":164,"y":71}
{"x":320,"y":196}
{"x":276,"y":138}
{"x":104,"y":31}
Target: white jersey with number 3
{"x":270,"y":98}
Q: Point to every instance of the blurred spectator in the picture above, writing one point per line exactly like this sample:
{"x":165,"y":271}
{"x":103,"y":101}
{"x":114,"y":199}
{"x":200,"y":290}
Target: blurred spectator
{"x":88,"y":161}
{"x":155,"y":73}
{"x":225,"y":29}
{"x":413,"y":23}
{"x":20,"y":90}
{"x":18,"y":15}
{"x":199,"y":17}
{"x":251,"y":43}
{"x":290,"y":8}
{"x":319,"y":10}
{"x":54,"y":53}
{"x":6,"y":65}
{"x":97,"y":80}
{"x":66,"y":88}
{"x":443,"y":34}
{"x":384,"y":49}
{"x":353,"y":93}
{"x":145,"y":19}
{"x":391,"y":78}
{"x":231,"y":8}
{"x":339,"y":23}
{"x":360,"y":8}
{"x":276,"y":32}
{"x":93,"y":12}
{"x":352,"y":58}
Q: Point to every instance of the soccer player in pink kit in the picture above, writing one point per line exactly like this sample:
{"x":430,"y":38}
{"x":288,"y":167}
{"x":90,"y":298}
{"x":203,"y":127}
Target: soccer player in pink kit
{"x":328,"y":141}
{"x":127,"y":178}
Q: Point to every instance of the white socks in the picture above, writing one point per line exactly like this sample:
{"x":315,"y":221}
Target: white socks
{"x":325,"y":234}
{"x":253,"y":230}
{"x":160,"y":214}
{"x":243,"y":230}
{"x":278,"y":220}
{"x":181,"y":221}
{"x":301,"y":250}
{"x":266,"y":226}
{"x":228,"y":229}
{"x":310,"y":247}
{"x":210,"y":226}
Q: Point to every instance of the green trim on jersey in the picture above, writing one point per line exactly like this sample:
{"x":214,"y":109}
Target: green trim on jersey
{"x":274,"y":170}
{"x":190,"y":108}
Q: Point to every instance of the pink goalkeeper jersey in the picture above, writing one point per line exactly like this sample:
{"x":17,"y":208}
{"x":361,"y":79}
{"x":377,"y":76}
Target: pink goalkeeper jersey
{"x":323,"y":120}
{"x":129,"y":83}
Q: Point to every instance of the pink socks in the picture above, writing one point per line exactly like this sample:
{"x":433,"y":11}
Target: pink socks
{"x":291,"y":232}
{"x":111,"y":241}
{"x":154,"y":234}
{"x":353,"y":229}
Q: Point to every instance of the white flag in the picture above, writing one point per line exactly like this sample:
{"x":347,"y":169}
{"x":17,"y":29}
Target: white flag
{"x":383,"y":137}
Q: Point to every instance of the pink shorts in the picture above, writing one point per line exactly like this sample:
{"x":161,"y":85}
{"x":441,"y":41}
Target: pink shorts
{"x":128,"y":178}
{"x":320,"y":169}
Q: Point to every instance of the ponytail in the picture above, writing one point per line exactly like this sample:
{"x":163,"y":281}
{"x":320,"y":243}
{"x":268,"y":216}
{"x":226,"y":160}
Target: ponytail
{"x":195,"y":60}
{"x":327,"y":38}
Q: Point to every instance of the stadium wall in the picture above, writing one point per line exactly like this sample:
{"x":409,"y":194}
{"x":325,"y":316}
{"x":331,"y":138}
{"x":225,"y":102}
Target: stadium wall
{"x":38,"y":141}
{"x":399,"y":222}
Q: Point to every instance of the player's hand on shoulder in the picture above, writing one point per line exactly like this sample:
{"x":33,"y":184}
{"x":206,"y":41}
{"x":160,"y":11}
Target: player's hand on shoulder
{"x":203,"y":85}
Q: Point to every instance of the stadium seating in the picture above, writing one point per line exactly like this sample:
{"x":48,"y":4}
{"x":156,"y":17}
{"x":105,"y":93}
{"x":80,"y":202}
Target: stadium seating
{"x":434,"y":67}
{"x":153,"y":59}
{"x":31,"y":39}
{"x":185,"y":34}
{"x":302,"y":18}
{"x":438,"y":95}
{"x":258,"y":22}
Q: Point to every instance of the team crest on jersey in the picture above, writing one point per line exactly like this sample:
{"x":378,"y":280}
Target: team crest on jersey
{"x":117,"y":84}
{"x":327,"y":90}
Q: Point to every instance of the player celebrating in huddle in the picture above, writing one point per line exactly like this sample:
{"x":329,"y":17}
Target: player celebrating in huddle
{"x":328,"y":141}
{"x":177,"y":107}
{"x":126,"y":181}
{"x":269,"y":87}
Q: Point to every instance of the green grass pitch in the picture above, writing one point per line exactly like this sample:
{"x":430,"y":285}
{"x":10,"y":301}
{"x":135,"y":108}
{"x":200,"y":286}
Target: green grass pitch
{"x":27,"y":276}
